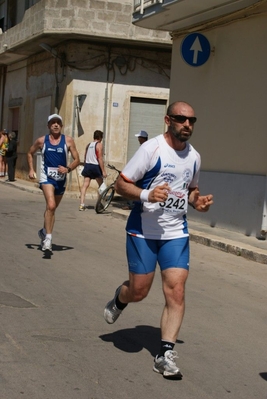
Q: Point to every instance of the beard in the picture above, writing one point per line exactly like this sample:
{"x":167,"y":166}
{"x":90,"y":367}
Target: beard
{"x":182,"y":135}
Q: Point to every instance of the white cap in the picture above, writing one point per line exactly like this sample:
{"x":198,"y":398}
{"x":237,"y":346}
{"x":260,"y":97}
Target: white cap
{"x":54,"y":116}
{"x":142,"y":133}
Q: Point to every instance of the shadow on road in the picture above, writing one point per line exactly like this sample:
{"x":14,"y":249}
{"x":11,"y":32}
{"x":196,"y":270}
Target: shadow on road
{"x":264,"y":376}
{"x":135,"y":339}
{"x":55,"y":247}
{"x":48,"y":254}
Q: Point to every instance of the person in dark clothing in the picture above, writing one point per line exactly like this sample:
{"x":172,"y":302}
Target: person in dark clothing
{"x":11,"y":156}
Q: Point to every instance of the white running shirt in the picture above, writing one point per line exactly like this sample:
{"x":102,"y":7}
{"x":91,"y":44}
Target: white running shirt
{"x":156,"y":163}
{"x":91,"y":154}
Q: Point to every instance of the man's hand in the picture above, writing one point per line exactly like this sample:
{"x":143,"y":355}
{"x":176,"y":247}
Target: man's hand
{"x":159,"y":193}
{"x":63,"y":169}
{"x":203,"y":202}
{"x":200,"y":202}
{"x":32,"y":174}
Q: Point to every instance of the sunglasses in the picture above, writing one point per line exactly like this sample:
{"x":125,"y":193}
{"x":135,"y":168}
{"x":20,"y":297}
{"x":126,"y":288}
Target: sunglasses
{"x":183,"y":118}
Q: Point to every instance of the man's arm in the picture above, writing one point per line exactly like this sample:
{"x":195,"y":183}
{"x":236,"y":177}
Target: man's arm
{"x":37,"y":145}
{"x":100,"y":159}
{"x":75,"y":155}
{"x":85,"y":152}
{"x":130,"y":191}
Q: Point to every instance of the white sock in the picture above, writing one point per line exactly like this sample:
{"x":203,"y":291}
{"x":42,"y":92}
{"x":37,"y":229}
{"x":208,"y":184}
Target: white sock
{"x":49,"y":236}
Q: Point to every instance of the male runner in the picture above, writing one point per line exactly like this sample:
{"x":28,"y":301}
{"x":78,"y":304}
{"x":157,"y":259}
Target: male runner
{"x":162,"y":177}
{"x":94,"y":167}
{"x":54,"y":147}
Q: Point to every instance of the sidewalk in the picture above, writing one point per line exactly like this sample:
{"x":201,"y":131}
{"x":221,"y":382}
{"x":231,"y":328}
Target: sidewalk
{"x":224,"y":240}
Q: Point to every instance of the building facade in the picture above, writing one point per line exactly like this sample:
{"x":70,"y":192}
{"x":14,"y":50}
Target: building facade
{"x":86,"y":61}
{"x":228,"y":93}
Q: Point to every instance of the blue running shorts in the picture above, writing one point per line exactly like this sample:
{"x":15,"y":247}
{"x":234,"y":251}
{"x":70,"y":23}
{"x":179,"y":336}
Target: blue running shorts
{"x":58,"y":186}
{"x":92,"y":171}
{"x":143,"y":254}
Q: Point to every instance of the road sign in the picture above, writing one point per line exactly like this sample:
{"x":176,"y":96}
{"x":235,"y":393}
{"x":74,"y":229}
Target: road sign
{"x":195,"y":49}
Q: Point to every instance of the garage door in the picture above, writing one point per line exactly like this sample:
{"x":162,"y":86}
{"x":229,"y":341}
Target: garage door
{"x":148,"y":115}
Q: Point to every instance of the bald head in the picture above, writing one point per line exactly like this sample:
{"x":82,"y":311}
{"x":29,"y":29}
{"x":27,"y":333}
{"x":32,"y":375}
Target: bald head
{"x":177,"y":104}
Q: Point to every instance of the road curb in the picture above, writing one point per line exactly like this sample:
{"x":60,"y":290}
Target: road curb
{"x":226,"y":246}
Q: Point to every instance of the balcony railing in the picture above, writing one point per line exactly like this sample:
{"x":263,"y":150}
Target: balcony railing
{"x":140,"y":5}
{"x":172,"y":15}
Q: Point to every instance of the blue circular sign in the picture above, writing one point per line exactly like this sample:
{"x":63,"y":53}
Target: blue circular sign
{"x":195,"y":49}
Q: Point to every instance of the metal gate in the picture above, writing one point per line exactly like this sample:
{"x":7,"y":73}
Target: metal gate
{"x":145,"y":114}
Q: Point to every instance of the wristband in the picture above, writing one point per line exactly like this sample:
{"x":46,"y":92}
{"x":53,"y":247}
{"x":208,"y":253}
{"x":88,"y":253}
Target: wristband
{"x":144,"y":195}
{"x":69,"y":169}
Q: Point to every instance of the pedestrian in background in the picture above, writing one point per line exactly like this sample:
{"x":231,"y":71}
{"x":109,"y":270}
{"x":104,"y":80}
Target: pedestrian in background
{"x":55,"y":147}
{"x":11,"y":156}
{"x":94,"y":167}
{"x":3,"y":148}
{"x":142,"y":136}
{"x":162,"y":177}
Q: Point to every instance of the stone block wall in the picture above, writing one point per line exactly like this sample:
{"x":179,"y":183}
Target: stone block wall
{"x":99,"y":18}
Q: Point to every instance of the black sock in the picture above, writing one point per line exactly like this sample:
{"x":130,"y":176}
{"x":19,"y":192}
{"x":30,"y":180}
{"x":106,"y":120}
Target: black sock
{"x":166,"y":346}
{"x":119,"y":304}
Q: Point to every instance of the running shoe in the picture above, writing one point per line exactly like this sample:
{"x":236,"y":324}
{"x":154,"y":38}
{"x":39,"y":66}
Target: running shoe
{"x":82,"y":208}
{"x":111,"y":312}
{"x":42,"y":236}
{"x":47,"y":245}
{"x":166,"y":365}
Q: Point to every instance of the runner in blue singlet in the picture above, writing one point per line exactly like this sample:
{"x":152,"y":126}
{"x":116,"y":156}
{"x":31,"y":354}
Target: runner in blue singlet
{"x":54,"y":148}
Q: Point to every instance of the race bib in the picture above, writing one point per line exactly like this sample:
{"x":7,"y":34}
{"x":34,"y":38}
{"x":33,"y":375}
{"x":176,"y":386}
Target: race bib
{"x":176,"y":203}
{"x":54,"y":174}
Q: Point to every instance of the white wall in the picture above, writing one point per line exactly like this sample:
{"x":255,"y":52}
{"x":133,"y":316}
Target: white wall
{"x":37,"y":79}
{"x":228,"y":94}
{"x":238,"y":202}
{"x":93,"y":113}
{"x":229,"y":97}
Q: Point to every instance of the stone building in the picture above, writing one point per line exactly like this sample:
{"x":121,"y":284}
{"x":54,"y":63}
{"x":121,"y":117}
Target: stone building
{"x":88,"y":62}
{"x":228,"y":92}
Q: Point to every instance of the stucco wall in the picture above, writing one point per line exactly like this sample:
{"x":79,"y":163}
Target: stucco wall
{"x":145,"y":74}
{"x":229,"y":96}
{"x":238,"y":202}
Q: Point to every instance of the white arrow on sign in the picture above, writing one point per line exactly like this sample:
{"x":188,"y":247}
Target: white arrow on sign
{"x":196,"y":47}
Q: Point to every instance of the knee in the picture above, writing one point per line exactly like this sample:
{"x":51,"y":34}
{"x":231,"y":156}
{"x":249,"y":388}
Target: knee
{"x":138,"y":294}
{"x":175,"y":294}
{"x":51,"y":207}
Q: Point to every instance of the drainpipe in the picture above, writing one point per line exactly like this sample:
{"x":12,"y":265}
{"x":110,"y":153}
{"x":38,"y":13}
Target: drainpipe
{"x":109,"y":118}
{"x":74,"y":117}
{"x":3,"y":78}
{"x":105,"y":118}
{"x":106,"y":105}
{"x":73,"y":133}
{"x":264,"y":215}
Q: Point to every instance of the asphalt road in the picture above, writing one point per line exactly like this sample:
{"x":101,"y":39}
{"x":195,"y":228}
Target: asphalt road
{"x":55,"y":344}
